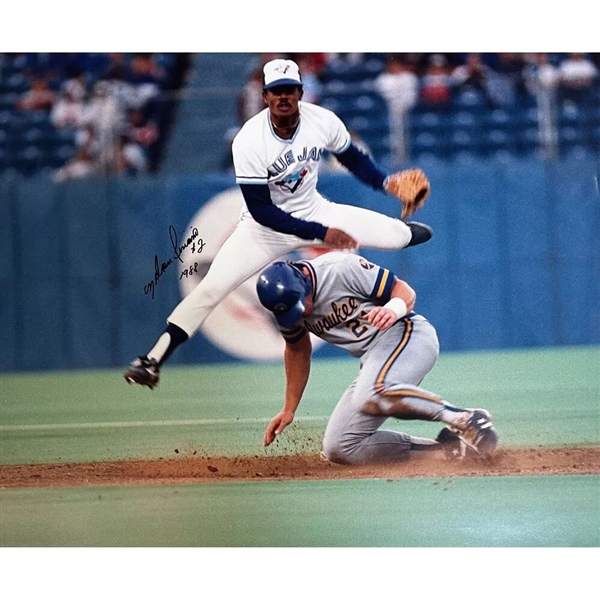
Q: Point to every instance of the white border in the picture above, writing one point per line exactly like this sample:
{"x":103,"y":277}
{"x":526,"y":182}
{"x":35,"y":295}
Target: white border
{"x":317,"y":25}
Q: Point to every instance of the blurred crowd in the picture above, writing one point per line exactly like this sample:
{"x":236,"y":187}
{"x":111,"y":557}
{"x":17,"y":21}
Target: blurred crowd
{"x":108,"y":103}
{"x":113,"y":112}
{"x":407,"y":79}
{"x":499,"y":79}
{"x":433,"y":81}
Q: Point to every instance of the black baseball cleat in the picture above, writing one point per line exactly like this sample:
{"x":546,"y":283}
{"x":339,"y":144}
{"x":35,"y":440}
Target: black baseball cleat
{"x":477,"y":431}
{"x":421,"y":233}
{"x":143,"y":370}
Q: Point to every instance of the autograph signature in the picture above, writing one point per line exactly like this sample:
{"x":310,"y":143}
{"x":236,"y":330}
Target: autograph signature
{"x":193,"y":242}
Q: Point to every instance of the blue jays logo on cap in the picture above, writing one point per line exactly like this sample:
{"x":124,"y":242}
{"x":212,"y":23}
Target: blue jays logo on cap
{"x":281,"y":72}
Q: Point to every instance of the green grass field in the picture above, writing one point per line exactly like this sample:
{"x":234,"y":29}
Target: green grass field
{"x":548,"y":398}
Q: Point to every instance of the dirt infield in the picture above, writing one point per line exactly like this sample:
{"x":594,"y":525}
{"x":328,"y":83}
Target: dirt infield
{"x":563,"y":461}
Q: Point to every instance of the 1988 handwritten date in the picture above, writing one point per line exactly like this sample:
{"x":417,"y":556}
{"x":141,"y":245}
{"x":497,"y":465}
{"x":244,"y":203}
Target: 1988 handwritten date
{"x":189,"y":271}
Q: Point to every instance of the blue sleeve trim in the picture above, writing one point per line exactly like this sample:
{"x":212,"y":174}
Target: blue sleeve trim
{"x":382,"y":290}
{"x":345,"y":147}
{"x":361,"y":165}
{"x":263,"y":211}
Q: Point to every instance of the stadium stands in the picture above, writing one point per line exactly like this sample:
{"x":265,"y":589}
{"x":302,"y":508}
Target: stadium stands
{"x":470,"y":125}
{"x":30,"y":143}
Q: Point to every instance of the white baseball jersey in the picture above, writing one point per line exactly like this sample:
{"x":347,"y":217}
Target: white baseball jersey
{"x":346,"y":287}
{"x":289,"y":167}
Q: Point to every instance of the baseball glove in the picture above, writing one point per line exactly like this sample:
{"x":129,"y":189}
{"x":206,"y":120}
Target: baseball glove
{"x":410,"y":187}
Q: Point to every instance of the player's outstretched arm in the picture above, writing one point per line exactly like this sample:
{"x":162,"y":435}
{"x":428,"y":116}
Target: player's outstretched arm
{"x":297,"y":360}
{"x":362,"y":167}
{"x":410,"y":187}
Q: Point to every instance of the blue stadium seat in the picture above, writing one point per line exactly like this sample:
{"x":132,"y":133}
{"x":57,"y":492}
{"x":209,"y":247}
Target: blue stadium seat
{"x":331,"y":102}
{"x":13,"y":124}
{"x":527,"y":140}
{"x":464,"y":156}
{"x":335,"y":86}
{"x":570,"y":115}
{"x":165,"y":60}
{"x":379,"y":146}
{"x":425,"y":140}
{"x":463,"y":119}
{"x":58,"y":156}
{"x":33,"y":135}
{"x":349,"y":73}
{"x":374,"y":66}
{"x":465,"y":140}
{"x":577,"y":152}
{"x":525,"y":118}
{"x":428,"y":122}
{"x":469,"y":99}
{"x":497,"y":140}
{"x":38,"y":118}
{"x":504,"y":156}
{"x":359,"y":124}
{"x":571,"y":136}
{"x":8,"y":101}
{"x":29,"y":160}
{"x":64,"y":137}
{"x":369,"y":103}
{"x":427,"y":143}
{"x":94,"y":62}
{"x":499,"y":119}
{"x":6,"y":118}
{"x":17,"y":83}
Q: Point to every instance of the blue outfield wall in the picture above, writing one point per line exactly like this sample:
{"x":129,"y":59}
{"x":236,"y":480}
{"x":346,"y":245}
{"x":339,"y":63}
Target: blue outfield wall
{"x":514,"y":262}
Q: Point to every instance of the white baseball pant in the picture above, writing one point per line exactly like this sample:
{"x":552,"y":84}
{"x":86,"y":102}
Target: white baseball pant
{"x":251,"y":247}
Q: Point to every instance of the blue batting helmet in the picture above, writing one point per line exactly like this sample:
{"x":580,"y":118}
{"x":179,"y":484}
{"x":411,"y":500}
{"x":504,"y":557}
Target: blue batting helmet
{"x":282,"y":289}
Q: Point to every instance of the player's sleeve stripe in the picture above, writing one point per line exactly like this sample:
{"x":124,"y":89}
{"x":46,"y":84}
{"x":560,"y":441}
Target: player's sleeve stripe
{"x":250,"y":180}
{"x":383,"y":284}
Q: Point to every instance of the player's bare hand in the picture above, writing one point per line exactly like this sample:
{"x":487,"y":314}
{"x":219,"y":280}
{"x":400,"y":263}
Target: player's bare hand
{"x":277,"y":425}
{"x":381,"y":317}
{"x":336,"y":238}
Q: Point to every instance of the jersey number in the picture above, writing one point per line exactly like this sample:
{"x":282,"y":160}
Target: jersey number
{"x":354,"y":325}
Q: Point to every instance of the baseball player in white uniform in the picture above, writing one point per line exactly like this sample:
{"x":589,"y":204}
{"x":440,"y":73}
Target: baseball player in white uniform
{"x":276,"y":156}
{"x":357,"y":305}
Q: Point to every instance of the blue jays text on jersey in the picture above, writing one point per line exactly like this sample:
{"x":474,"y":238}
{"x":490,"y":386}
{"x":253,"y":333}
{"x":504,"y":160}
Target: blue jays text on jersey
{"x":283,"y":162}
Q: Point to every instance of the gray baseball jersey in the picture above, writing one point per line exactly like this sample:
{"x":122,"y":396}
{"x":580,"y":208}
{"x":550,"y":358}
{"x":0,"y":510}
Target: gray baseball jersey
{"x":346,"y":287}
